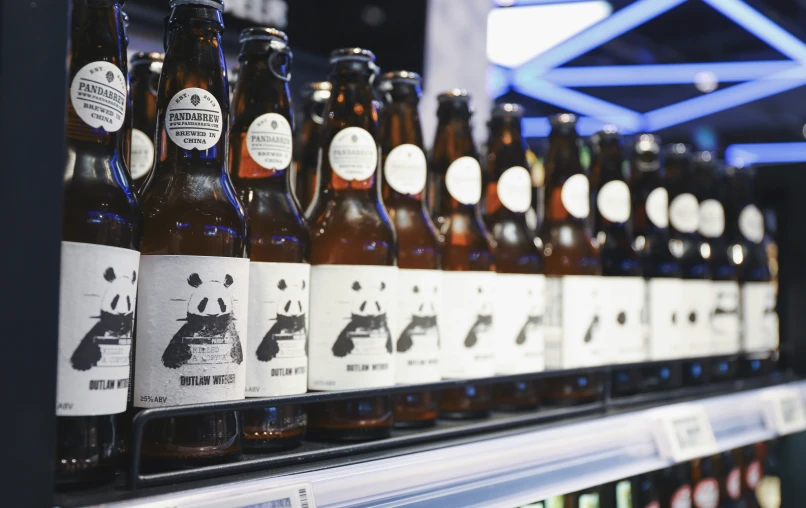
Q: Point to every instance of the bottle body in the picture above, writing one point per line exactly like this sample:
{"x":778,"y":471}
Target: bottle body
{"x":306,"y":148}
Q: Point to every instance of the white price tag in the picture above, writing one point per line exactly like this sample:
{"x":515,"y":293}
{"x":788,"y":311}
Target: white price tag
{"x":289,"y":496}
{"x":684,"y":433}
{"x":783,"y":411}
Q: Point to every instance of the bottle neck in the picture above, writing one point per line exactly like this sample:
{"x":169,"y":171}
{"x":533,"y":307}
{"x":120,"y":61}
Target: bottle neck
{"x":506,"y":147}
{"x":400,"y":125}
{"x":92,"y":40}
{"x":454,"y":140}
{"x":259,"y":89}
{"x":562,"y":162}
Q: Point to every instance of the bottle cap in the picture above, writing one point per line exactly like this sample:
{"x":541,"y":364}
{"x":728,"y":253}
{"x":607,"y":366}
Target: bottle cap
{"x":352,"y":54}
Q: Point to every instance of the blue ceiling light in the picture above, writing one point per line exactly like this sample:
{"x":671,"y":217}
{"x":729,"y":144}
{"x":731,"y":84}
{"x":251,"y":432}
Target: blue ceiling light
{"x":765,"y":153}
{"x":498,"y":81}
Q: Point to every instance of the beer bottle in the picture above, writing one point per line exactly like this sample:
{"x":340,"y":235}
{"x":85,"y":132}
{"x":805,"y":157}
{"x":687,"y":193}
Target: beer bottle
{"x":644,"y":491}
{"x":354,"y":261}
{"x":661,"y":269}
{"x":467,"y":345}
{"x":705,"y":493}
{"x":747,"y":241}
{"x":621,"y":282}
{"x":754,"y":459}
{"x":260,"y":142}
{"x":724,"y":309}
{"x":674,"y":486}
{"x":99,"y":253}
{"x":192,"y":313}
{"x":307,"y":144}
{"x":687,"y":244}
{"x":732,"y":487}
{"x":571,"y":260}
{"x":420,"y":251}
{"x":232,"y":78}
{"x":520,"y":283}
{"x":145,"y":79}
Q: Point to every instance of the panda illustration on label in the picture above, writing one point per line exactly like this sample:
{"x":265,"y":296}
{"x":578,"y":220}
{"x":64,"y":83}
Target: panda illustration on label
{"x":289,"y":324}
{"x":209,"y":335}
{"x":423,"y":320}
{"x":593,"y":326}
{"x":114,"y":326}
{"x":367,"y":332}
{"x":484,"y":320}
{"x":534,"y":320}
{"x":724,"y":317}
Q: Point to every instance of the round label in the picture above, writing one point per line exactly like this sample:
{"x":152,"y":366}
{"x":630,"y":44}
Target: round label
{"x":405,"y":169}
{"x":142,"y":158}
{"x":575,"y":196}
{"x":98,"y":94}
{"x":653,"y":504}
{"x":613,"y":201}
{"x":712,"y":218}
{"x":751,"y":224}
{"x":463,"y":180}
{"x":515,"y":189}
{"x":657,"y":207}
{"x":753,"y":474}
{"x":193,"y":119}
{"x":681,"y":498}
{"x":269,"y":141}
{"x":353,"y":154}
{"x":684,"y":213}
{"x":734,"y":483}
{"x":706,"y":493}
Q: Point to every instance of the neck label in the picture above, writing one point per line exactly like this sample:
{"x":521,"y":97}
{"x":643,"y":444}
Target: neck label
{"x":405,"y":169}
{"x":613,"y":201}
{"x":515,"y":189}
{"x":575,"y":196}
{"x":463,"y":180}
{"x":98,"y":95}
{"x":712,"y":219}
{"x":751,"y":224}
{"x":142,"y":158}
{"x":193,"y":119}
{"x":269,"y":141}
{"x":657,"y":207}
{"x":684,"y":213}
{"x":353,"y":154}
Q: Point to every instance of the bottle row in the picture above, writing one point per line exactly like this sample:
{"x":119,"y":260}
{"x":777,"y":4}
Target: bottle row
{"x":747,"y":477}
{"x":398,"y":271}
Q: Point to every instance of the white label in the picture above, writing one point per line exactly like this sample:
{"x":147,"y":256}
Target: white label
{"x":681,"y":498}
{"x":684,"y":432}
{"x":97,"y":293}
{"x":753,"y":474}
{"x":352,"y":314}
{"x":520,"y":304}
{"x":725,"y":338}
{"x":706,"y":493}
{"x":287,"y":496}
{"x":191,"y":330}
{"x":276,"y":361}
{"x":575,"y":196}
{"x":613,"y":201}
{"x":733,"y":484}
{"x":98,"y":95}
{"x":657,"y":207}
{"x":468,"y":338}
{"x":142,"y":159}
{"x":353,"y":154}
{"x":405,"y":169}
{"x":193,"y":119}
{"x":572,"y":323}
{"x":624,"y":494}
{"x":269,"y":141}
{"x":621,"y":302}
{"x":666,"y":340}
{"x":694,"y":317}
{"x":416,"y":335}
{"x":751,"y":224}
{"x":783,"y":410}
{"x":684,"y":213}
{"x":759,"y":319}
{"x":712,"y":219}
{"x":588,"y":501}
{"x":515,"y":189}
{"x":463,"y":180}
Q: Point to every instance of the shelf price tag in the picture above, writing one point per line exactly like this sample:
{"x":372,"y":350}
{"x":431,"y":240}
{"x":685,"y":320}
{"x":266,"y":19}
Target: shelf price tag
{"x":684,"y":433}
{"x":784,"y":411}
{"x":288,"y":496}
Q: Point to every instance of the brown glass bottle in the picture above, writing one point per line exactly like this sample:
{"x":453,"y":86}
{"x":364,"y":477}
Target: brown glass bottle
{"x":704,"y":478}
{"x":568,"y":250}
{"x":193,"y":222}
{"x":144,"y":74}
{"x":468,"y":261}
{"x":101,"y":231}
{"x":520,"y":284}
{"x":419,"y":246}
{"x":307,"y":142}
{"x":261,"y":140}
{"x":354,"y":256}
{"x":674,"y":486}
{"x":621,"y":271}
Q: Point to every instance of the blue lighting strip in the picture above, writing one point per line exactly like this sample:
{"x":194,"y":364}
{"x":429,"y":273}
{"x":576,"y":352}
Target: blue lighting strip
{"x":765,"y":153}
{"x":498,"y":80}
{"x":665,"y":74}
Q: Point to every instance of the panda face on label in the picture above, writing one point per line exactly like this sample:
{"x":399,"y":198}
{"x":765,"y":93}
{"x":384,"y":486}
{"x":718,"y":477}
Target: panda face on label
{"x":211,"y":299}
{"x":118,"y":298}
{"x":369,"y":301}
{"x":426,"y":301}
{"x":293,"y":301}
